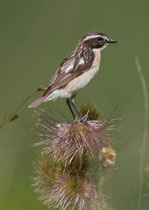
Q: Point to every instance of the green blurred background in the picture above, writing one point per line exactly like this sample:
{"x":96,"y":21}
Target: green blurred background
{"x":35,"y":35}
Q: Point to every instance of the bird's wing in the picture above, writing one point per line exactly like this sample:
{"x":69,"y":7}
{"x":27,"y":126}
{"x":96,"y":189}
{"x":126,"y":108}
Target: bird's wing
{"x":70,"y":68}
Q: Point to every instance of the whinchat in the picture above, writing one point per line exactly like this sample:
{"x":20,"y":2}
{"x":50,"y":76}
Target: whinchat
{"x":76,"y":70}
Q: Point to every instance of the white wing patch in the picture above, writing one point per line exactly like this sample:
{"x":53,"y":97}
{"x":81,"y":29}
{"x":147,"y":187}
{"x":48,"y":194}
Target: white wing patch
{"x":81,"y":61}
{"x":69,"y":68}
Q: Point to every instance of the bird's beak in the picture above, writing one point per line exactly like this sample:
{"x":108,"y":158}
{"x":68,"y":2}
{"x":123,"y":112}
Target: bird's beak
{"x":111,"y":41}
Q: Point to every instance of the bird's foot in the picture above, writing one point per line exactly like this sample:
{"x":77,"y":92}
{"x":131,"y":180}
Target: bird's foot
{"x":84,"y":121}
{"x":81,"y":120}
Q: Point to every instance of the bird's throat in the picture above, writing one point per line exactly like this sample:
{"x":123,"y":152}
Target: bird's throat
{"x":97,"y":57}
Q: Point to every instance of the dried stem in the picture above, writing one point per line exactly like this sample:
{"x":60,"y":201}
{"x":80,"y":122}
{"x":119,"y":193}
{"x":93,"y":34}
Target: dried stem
{"x":14,"y":114}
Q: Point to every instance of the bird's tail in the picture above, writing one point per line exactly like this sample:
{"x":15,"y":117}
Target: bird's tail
{"x":37,"y":102}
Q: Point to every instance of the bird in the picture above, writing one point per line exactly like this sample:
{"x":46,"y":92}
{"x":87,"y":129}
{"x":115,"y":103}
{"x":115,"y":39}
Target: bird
{"x":76,"y":70}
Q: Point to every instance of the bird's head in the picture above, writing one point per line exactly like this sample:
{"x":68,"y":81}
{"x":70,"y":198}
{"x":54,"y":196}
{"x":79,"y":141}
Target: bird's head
{"x":97,"y":41}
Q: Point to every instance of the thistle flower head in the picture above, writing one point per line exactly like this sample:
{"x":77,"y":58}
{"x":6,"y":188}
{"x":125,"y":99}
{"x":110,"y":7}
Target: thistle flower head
{"x":65,"y":188}
{"x":66,"y":139}
{"x":65,"y":178}
{"x":71,"y":191}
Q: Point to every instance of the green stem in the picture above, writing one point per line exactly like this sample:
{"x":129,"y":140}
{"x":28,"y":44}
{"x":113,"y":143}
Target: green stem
{"x":144,"y":142}
{"x":3,"y":120}
{"x":101,"y":180}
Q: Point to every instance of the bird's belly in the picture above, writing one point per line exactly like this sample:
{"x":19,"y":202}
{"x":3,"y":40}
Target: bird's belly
{"x":80,"y":82}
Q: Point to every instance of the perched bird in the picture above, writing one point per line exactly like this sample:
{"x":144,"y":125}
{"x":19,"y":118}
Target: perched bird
{"x":76,"y":70}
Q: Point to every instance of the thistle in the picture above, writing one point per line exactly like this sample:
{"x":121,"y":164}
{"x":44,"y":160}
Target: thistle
{"x":69,"y":168}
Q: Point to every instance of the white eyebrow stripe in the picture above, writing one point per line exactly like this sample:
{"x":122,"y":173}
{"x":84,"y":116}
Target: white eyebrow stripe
{"x":91,"y":37}
{"x":69,"y":68}
{"x":95,"y":36}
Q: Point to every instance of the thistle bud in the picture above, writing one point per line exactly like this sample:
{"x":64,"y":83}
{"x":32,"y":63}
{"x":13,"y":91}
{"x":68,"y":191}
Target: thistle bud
{"x":93,"y":111}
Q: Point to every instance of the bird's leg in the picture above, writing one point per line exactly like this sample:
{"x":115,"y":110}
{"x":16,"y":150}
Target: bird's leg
{"x":82,"y":119}
{"x":71,"y":102}
{"x":68,"y":101}
{"x":75,"y":108}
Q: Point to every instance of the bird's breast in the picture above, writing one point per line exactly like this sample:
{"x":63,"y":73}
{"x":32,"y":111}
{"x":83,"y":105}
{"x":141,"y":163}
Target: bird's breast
{"x":81,"y":81}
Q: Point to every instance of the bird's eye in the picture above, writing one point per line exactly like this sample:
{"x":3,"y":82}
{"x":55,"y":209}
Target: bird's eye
{"x":100,"y":39}
{"x":97,"y":42}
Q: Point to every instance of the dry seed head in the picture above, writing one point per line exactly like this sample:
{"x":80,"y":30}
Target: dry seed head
{"x":64,"y":178}
{"x":14,"y":117}
{"x":47,"y":169}
{"x":65,"y":139}
{"x":70,"y":192}
{"x":107,"y":157}
{"x":65,"y":188}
